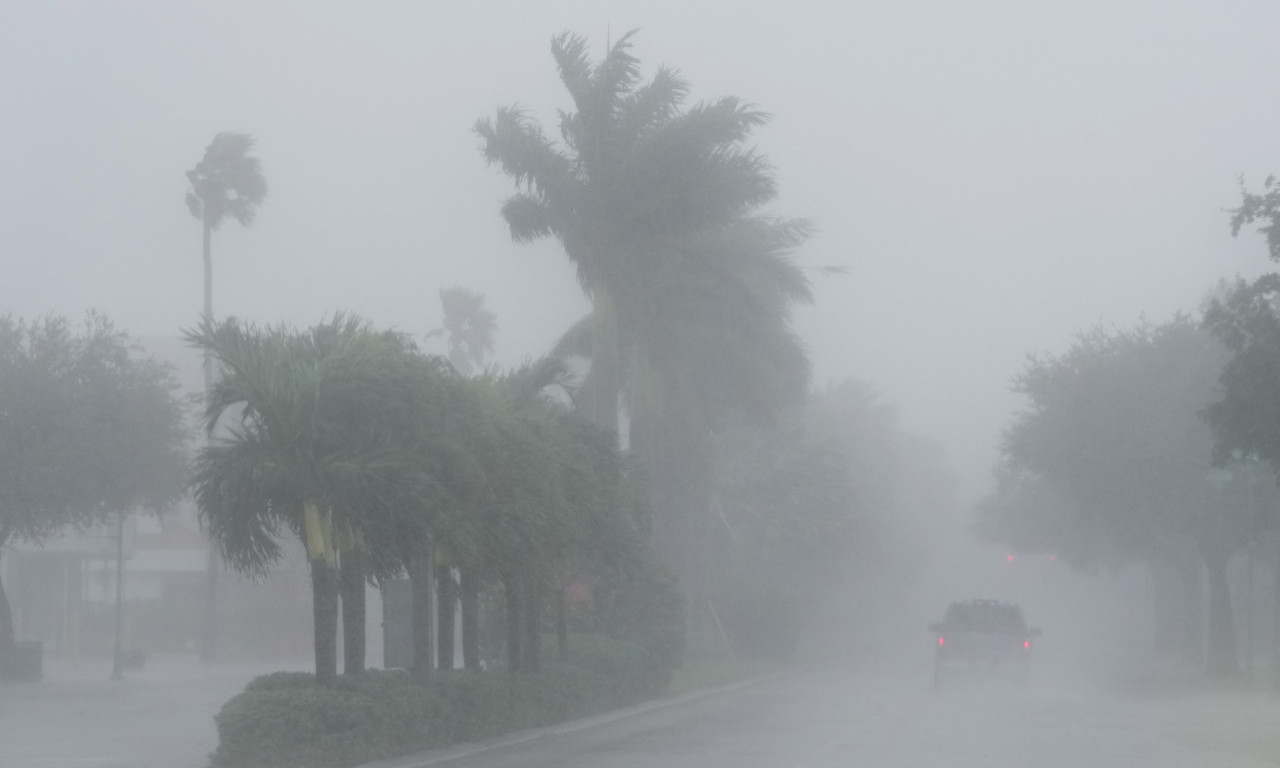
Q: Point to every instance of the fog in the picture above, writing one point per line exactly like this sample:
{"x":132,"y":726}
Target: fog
{"x":990,"y":178}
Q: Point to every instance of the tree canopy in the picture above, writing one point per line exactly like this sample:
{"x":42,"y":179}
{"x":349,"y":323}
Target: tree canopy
{"x":1114,"y":440}
{"x":89,"y":427}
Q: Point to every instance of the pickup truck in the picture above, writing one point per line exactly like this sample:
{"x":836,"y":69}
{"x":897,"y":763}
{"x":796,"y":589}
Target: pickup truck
{"x":982,"y":633}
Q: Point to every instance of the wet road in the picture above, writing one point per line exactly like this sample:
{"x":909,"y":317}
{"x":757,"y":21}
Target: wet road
{"x":160,"y":716}
{"x":883,"y":715}
{"x":879,"y":718}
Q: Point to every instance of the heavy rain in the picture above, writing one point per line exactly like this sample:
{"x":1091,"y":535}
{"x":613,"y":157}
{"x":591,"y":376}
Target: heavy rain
{"x":634,"y":384}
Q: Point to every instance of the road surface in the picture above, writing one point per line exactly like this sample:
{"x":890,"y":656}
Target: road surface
{"x":160,"y":716}
{"x":888,"y":716}
{"x":884,"y":714}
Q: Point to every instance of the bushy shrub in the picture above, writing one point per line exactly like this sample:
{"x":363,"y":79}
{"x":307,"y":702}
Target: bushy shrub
{"x":287,"y":719}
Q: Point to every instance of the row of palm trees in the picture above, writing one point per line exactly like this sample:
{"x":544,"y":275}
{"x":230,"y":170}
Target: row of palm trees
{"x":660,"y":207}
{"x":383,"y":460}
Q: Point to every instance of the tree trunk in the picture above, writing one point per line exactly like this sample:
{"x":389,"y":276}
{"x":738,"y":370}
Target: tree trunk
{"x":1222,"y":657}
{"x":532,"y":647}
{"x":117,"y":654}
{"x":562,"y":624}
{"x":420,"y":583}
{"x":209,"y":627}
{"x":8,"y":641}
{"x":604,"y":360}
{"x":470,"y":588}
{"x":1189,"y":573}
{"x":324,"y":607}
{"x":511,"y":591}
{"x":353,"y":612}
{"x":446,"y":605}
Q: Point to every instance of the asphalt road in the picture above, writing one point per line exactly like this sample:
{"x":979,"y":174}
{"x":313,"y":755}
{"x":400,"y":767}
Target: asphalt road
{"x":887,"y":715}
{"x":160,"y":716}
{"x":884,"y":714}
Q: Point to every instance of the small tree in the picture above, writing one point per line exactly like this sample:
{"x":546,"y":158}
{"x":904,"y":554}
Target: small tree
{"x":88,"y":428}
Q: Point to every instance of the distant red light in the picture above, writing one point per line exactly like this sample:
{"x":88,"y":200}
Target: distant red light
{"x":1009,"y":558}
{"x":1052,"y":558}
{"x":1026,"y":644}
{"x":942,"y":641}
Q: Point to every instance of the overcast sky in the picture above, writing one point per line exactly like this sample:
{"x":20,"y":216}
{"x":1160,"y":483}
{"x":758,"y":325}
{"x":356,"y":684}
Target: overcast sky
{"x":996,"y":176}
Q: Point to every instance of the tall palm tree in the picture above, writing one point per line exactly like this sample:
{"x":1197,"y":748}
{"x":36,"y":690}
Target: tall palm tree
{"x":635,"y":170}
{"x":468,"y":328}
{"x":227,"y":181}
{"x":658,"y":207}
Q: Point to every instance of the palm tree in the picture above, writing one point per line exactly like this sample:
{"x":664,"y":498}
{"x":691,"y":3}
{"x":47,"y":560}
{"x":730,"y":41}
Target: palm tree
{"x":313,"y":448}
{"x":226,"y":182}
{"x":635,"y":172}
{"x":658,"y":207}
{"x":468,"y":328}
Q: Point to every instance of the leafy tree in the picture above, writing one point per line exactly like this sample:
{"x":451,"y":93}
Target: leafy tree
{"x":227,"y":182}
{"x":88,"y":428}
{"x":1114,"y":430}
{"x":1263,"y":207}
{"x":1244,"y":317}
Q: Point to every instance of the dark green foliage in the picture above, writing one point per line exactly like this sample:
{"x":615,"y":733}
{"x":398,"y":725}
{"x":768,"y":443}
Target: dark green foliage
{"x":287,"y":719}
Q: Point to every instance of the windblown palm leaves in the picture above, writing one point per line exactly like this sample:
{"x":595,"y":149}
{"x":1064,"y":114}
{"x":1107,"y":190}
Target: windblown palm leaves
{"x":300,"y":412}
{"x":648,"y":198}
{"x":226,"y":182}
{"x":323,"y":438}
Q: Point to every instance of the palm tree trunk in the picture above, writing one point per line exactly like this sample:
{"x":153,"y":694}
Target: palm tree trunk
{"x":511,"y":591}
{"x":532,"y":650}
{"x":446,"y":605}
{"x":420,"y":586}
{"x":209,"y":629}
{"x":353,"y":612}
{"x":324,"y":601}
{"x":470,"y":587}
{"x":604,"y":361}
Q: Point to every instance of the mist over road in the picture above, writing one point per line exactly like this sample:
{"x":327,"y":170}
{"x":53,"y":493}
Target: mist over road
{"x":887,"y":715}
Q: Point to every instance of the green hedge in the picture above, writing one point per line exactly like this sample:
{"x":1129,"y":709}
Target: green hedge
{"x":286,"y":719}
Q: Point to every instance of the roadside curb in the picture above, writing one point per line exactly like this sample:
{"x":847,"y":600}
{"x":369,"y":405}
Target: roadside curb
{"x":445,"y":755}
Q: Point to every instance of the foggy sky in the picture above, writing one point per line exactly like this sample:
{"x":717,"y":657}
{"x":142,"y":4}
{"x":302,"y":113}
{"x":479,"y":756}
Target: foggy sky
{"x":996,"y":176}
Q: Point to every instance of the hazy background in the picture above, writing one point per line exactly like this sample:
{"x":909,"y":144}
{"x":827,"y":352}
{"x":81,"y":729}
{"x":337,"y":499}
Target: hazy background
{"x":996,"y":176}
